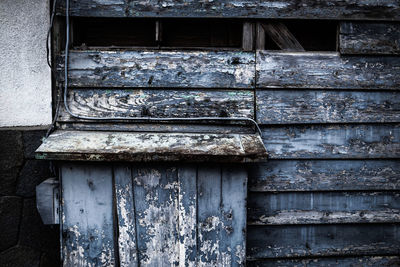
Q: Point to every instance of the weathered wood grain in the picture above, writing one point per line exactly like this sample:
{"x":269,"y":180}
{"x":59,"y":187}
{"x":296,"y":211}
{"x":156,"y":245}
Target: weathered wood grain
{"x":368,"y":261}
{"x":281,"y":35}
{"x":323,"y":240}
{"x":322,"y":175}
{"x":156,"y":204}
{"x":177,"y":69}
{"x":87,"y":217}
{"x":187,"y":203}
{"x":304,"y":9}
{"x":326,"y":106}
{"x":248,"y":36}
{"x":127,"y":241}
{"x":326,"y":70}
{"x":323,"y":208}
{"x":333,"y":141}
{"x":130,"y":146}
{"x":158,"y":103}
{"x":233,"y":206}
{"x":369,"y":38}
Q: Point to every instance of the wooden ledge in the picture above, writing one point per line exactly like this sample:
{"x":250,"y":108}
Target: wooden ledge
{"x":130,"y":146}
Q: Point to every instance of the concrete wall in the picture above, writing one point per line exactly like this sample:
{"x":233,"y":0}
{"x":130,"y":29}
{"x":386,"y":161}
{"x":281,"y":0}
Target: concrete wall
{"x":25,"y":78}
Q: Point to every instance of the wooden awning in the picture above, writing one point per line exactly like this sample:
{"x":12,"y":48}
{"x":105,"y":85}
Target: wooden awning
{"x":135,"y":146}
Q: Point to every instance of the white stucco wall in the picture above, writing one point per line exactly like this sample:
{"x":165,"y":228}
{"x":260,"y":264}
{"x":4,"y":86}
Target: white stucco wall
{"x":25,"y":81}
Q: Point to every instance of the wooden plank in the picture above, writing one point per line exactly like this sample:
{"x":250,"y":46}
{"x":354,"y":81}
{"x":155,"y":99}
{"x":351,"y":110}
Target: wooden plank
{"x":87,"y":215}
{"x":156,"y":203}
{"x":260,"y":41}
{"x":158,"y":103}
{"x":129,"y":146}
{"x":333,"y":141}
{"x":197,"y":69}
{"x":281,"y":35}
{"x":326,"y":106}
{"x":248,"y":36}
{"x":187,"y":182}
{"x":323,"y":240}
{"x":320,"y":175}
{"x":383,"y":261}
{"x":127,"y":243}
{"x":323,"y":208}
{"x":233,"y":207}
{"x":303,"y":9}
{"x":326,"y":70}
{"x":209,"y":216}
{"x":369,"y":38}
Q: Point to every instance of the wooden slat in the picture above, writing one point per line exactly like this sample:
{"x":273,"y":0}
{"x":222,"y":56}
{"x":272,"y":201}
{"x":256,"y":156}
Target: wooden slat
{"x":333,"y":141}
{"x":323,"y":208}
{"x":124,"y":146}
{"x":319,"y":106}
{"x":127,"y":243}
{"x":233,"y":206}
{"x":248,"y":36}
{"x":187,"y":203}
{"x":304,"y":9}
{"x":382,"y":261}
{"x":323,"y":240}
{"x":260,"y":33}
{"x":369,"y":38}
{"x":326,"y":70}
{"x":158,"y":103}
{"x":320,"y":175}
{"x":160,"y":69}
{"x":281,"y":35}
{"x":87,"y":215}
{"x":209,"y":215}
{"x":156,"y":203}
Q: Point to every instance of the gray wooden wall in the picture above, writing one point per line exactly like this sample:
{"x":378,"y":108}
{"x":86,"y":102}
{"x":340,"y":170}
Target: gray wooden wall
{"x":329,"y":194}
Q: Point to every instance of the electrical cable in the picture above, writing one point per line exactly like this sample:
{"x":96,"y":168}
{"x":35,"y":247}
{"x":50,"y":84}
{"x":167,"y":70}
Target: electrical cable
{"x":145,"y":119}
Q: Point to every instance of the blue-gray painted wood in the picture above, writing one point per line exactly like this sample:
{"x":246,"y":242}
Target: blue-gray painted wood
{"x":323,"y":240}
{"x":87,"y":218}
{"x":47,"y":201}
{"x":326,"y":70}
{"x":127,"y":238}
{"x":324,"y":175}
{"x":303,"y":9}
{"x":369,"y":38}
{"x":368,"y":261}
{"x":133,"y":103}
{"x":327,"y":106}
{"x":323,"y":208}
{"x":168,"y":69}
{"x":333,"y":141}
{"x":233,"y":217}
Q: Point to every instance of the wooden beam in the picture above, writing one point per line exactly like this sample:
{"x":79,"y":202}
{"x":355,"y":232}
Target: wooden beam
{"x":260,"y":42}
{"x":160,"y":69}
{"x":282,"y":37}
{"x":324,"y":175}
{"x":326,"y":70}
{"x":369,"y":38}
{"x":278,"y":9}
{"x":248,"y":36}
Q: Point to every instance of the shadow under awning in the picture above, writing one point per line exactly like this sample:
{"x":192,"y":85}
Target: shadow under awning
{"x":134,"y":146}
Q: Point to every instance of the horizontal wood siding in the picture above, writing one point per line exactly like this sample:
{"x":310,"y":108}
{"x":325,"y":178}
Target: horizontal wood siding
{"x":326,"y":70}
{"x":369,"y":38}
{"x":333,"y":141}
{"x":327,"y":106}
{"x":323,"y":240}
{"x":324,"y":175}
{"x":159,"y":69}
{"x":307,"y":9}
{"x":159,"y":103}
{"x":323,"y":208}
{"x":383,"y":261}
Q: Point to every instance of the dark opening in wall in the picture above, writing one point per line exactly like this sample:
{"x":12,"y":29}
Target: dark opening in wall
{"x":165,"y":33}
{"x":313,"y":35}
{"x":113,"y":32}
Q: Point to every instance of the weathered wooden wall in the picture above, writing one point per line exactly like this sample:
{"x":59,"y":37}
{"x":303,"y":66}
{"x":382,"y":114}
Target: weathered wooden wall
{"x":329,"y":194}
